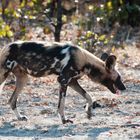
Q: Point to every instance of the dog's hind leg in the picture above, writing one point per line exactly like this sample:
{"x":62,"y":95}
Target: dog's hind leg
{"x":64,"y":79}
{"x":75,"y":86}
{"x":61,"y":104}
{"x":21,"y":80}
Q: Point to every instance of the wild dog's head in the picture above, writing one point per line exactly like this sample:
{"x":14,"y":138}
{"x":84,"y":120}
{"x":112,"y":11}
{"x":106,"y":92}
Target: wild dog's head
{"x":112,"y":79}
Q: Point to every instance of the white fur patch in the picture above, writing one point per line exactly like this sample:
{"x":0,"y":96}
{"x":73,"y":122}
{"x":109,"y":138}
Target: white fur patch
{"x":43,"y":68}
{"x":87,"y":71}
{"x":29,"y":71}
{"x":64,"y":61}
{"x":53,"y":65}
{"x":65,"y":50}
{"x":35,"y":72}
{"x":11,"y":64}
{"x":1,"y":86}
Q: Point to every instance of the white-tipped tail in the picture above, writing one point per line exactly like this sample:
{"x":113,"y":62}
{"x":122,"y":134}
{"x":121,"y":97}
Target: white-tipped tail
{"x":1,"y":86}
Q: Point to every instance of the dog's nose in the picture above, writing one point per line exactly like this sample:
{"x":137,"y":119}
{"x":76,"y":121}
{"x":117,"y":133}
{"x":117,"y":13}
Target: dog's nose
{"x":123,"y":87}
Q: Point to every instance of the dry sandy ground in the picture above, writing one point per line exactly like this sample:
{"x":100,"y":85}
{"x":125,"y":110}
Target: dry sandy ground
{"x":118,"y":119}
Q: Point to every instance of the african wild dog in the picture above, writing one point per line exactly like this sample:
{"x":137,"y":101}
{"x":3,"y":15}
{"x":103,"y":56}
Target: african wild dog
{"x":67,"y":61}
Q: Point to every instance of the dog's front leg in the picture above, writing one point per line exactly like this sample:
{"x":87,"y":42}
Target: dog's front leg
{"x":64,"y":79}
{"x":21,"y":79}
{"x":75,"y":86}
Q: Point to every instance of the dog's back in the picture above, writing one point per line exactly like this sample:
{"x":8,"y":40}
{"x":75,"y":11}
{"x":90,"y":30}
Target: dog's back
{"x":37,"y":59}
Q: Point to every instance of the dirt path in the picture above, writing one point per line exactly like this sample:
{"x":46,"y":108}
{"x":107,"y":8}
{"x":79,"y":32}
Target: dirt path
{"x":118,"y":119}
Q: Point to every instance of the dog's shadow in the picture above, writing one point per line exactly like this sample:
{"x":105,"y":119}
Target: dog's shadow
{"x":54,"y":131}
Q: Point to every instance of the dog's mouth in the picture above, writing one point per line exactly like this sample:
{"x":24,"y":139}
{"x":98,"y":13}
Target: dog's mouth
{"x":114,"y":87}
{"x":116,"y":90}
{"x":118,"y":87}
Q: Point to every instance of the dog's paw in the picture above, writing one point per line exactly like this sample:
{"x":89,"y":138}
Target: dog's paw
{"x":22,"y":118}
{"x":67,"y":121}
{"x":96,"y":105}
{"x":89,"y":115}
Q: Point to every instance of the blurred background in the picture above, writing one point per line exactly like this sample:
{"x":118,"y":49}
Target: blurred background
{"x":92,"y":24}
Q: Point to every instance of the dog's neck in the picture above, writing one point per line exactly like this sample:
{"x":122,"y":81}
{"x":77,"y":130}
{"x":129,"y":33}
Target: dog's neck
{"x":93,"y":72}
{"x":94,"y":67}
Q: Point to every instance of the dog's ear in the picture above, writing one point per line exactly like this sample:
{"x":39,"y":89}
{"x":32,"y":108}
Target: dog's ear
{"x":104,"y":56}
{"x":110,"y":62}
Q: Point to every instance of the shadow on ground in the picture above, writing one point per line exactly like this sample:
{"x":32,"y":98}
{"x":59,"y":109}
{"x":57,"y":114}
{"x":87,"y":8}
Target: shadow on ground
{"x":54,"y":131}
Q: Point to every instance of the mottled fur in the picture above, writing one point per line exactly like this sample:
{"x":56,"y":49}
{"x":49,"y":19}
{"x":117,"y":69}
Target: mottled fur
{"x":67,"y":61}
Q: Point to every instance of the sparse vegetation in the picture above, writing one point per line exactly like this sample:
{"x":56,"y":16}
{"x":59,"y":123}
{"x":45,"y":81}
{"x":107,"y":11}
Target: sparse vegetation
{"x":99,"y":23}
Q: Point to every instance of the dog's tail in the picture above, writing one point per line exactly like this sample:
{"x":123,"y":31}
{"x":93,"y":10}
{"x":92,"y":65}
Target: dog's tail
{"x":1,"y":86}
